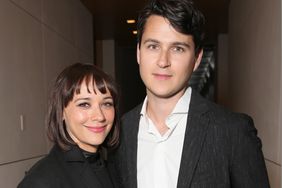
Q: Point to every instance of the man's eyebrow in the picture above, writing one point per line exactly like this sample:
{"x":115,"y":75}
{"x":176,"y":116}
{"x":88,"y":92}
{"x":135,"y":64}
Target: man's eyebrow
{"x":151,"y":40}
{"x":188,"y":45}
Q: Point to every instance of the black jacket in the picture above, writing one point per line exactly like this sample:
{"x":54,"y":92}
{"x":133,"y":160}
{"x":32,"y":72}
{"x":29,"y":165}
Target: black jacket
{"x":60,"y":169}
{"x":221,"y":149}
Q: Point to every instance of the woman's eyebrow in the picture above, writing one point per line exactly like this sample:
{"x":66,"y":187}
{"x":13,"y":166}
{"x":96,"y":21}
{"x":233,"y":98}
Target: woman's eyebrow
{"x":82,"y":98}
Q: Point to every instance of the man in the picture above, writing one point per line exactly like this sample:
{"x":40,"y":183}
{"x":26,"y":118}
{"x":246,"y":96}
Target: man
{"x":176,"y":138}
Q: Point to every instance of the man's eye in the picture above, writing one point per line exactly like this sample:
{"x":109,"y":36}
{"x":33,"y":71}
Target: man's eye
{"x":178,"y":49}
{"x":84,"y":105}
{"x":152,"y":47}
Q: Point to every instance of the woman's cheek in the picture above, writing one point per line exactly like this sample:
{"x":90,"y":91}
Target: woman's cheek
{"x":82,"y":116}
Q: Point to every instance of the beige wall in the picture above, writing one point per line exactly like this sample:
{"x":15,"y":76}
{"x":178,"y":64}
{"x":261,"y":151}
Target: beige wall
{"x":37,"y":39}
{"x":255,"y":78}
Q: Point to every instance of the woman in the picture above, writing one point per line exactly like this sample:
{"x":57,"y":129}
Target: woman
{"x":81,"y":122}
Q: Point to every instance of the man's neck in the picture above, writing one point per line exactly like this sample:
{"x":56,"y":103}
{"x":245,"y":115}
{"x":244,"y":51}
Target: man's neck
{"x":158,"y":109}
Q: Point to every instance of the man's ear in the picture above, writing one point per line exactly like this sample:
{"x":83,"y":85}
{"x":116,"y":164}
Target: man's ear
{"x":138,"y":53}
{"x":198,"y":59}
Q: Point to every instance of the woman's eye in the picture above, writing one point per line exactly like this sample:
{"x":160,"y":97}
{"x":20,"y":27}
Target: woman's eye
{"x":84,"y":105}
{"x":108,"y":104}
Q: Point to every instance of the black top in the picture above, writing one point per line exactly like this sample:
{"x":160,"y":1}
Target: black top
{"x":70,"y":169}
{"x":99,"y":168}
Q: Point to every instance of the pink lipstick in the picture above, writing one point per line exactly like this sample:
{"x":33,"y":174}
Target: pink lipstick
{"x":97,"y":129}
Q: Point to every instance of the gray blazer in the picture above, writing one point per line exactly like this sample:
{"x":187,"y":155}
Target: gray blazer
{"x":221,"y":149}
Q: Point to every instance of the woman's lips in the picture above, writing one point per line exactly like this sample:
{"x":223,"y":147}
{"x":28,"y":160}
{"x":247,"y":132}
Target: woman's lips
{"x":97,"y":129}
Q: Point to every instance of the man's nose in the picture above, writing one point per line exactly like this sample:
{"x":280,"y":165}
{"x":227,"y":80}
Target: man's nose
{"x":163,"y":61}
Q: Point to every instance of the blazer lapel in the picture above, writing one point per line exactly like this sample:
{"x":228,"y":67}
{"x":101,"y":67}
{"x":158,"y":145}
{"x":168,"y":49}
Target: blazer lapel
{"x":197,"y":124}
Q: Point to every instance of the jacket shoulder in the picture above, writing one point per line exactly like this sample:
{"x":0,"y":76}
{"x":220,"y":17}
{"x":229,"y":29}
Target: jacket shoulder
{"x":43,"y":173}
{"x":132,"y":114}
{"x":220,"y":118}
{"x":218,"y":112}
{"x":221,"y":114}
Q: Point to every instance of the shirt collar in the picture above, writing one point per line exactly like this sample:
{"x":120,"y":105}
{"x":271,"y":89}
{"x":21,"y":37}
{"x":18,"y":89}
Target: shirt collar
{"x":144,"y":107}
{"x":181,"y":107}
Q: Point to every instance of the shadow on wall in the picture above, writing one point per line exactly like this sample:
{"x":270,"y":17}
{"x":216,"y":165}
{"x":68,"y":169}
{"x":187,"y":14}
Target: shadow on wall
{"x":127,"y":75}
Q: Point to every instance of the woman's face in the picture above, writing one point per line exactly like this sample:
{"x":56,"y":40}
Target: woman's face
{"x":89,"y":117}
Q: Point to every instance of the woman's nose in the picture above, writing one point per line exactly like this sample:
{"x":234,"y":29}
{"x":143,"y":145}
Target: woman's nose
{"x":97,"y":114}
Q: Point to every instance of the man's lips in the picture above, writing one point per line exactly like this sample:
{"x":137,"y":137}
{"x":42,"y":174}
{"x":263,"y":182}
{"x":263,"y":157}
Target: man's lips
{"x":160,"y":76}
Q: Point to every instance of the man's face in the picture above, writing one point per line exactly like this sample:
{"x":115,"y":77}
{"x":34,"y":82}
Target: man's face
{"x":166,"y":58}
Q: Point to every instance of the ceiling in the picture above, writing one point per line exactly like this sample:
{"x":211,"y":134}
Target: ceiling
{"x":110,"y":18}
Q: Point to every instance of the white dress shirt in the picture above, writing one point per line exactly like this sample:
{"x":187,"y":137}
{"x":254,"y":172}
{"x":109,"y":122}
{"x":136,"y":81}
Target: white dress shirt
{"x":159,"y":156}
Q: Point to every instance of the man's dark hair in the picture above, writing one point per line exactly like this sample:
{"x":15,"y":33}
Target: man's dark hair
{"x":182,"y":15}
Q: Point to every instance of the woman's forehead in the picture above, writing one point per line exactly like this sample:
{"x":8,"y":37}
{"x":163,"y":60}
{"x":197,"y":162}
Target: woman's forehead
{"x":90,"y":85}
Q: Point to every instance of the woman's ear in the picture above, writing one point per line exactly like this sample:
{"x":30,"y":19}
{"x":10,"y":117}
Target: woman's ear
{"x":63,"y":118}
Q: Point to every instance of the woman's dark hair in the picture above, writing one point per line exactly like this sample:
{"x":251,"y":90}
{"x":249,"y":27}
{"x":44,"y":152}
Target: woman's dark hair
{"x":66,"y":85}
{"x":182,"y":15}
